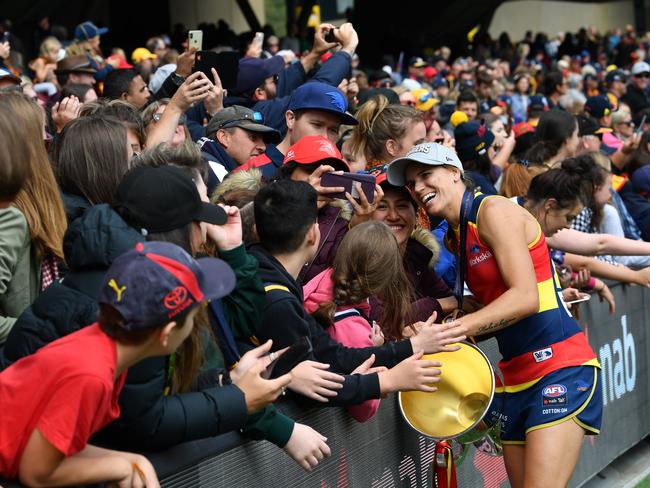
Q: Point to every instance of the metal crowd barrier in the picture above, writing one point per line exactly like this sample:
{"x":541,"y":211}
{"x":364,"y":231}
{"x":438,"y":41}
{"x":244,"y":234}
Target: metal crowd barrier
{"x":385,"y":453}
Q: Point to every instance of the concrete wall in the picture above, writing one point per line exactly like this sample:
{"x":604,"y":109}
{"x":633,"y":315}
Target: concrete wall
{"x":192,"y":12}
{"x":518,"y":16}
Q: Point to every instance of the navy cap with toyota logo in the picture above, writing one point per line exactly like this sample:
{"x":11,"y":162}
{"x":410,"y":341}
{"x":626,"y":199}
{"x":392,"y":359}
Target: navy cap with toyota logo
{"x":156,"y":281}
{"x":429,"y":153}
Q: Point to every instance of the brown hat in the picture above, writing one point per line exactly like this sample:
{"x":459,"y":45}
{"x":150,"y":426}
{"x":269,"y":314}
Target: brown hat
{"x":74,"y":64}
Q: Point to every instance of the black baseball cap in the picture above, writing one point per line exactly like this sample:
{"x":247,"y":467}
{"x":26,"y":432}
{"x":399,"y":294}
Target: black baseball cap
{"x":589,"y":126}
{"x":163,"y":198}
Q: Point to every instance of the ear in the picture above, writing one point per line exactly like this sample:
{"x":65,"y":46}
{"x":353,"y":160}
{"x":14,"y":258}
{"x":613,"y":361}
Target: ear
{"x":313,"y":236}
{"x":392,"y":147}
{"x":223,"y":137}
{"x":290,"y":119}
{"x":550,"y":204}
{"x":163,"y":336}
{"x":456,"y":174}
{"x":124,"y":96}
{"x":259,"y":94}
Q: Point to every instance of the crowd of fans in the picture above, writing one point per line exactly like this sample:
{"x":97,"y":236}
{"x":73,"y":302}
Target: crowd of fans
{"x":134,"y":189}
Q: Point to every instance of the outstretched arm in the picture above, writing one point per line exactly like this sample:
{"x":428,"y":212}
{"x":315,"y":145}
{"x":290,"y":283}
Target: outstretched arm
{"x":577,"y":242}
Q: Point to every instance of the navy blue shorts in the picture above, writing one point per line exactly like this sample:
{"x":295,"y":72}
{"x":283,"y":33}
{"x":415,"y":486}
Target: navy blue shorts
{"x":569,"y":393}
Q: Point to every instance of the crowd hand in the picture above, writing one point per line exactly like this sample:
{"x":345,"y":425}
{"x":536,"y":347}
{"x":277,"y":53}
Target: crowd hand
{"x":321,"y":46}
{"x":509,"y":142}
{"x":113,"y":61}
{"x":581,"y":280}
{"x":194,"y":89}
{"x":348,"y":38}
{"x":413,"y":373}
{"x":631,"y":143}
{"x":571,"y":294}
{"x":259,"y":392}
{"x":448,"y":141}
{"x":377,"y":335}
{"x":367,"y":368}
{"x":229,"y":235}
{"x":432,"y":338}
{"x":5,"y":49}
{"x":254,"y":50}
{"x":214,"y":101}
{"x":251,"y":358}
{"x":307,"y":447}
{"x":363,"y":209}
{"x":343,"y":86}
{"x":605,"y":294}
{"x":185,"y":62}
{"x":142,"y":474}
{"x":643,"y":277}
{"x":313,"y":380}
{"x":65,"y":111}
{"x":352,"y":89}
{"x":323,"y":191}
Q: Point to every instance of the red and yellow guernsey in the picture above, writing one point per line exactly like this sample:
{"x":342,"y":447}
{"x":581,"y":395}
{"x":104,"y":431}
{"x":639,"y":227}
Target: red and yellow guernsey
{"x":541,"y":343}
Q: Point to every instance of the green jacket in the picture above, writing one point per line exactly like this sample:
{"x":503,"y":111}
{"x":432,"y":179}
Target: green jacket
{"x":243,"y":310}
{"x":20,"y":270}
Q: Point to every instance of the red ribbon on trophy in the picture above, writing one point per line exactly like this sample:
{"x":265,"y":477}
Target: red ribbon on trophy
{"x":444,"y":469}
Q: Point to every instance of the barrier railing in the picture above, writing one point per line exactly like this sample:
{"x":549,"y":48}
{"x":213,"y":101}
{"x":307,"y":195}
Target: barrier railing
{"x":384,"y":452}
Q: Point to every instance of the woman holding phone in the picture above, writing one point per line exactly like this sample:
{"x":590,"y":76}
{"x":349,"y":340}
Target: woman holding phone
{"x":551,"y":394}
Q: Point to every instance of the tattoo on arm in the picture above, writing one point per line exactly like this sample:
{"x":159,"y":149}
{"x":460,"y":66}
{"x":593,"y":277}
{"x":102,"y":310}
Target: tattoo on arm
{"x":493,"y":326}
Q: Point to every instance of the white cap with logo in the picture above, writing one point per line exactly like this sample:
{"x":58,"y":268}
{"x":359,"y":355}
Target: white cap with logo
{"x":640,"y":67}
{"x":429,"y":153}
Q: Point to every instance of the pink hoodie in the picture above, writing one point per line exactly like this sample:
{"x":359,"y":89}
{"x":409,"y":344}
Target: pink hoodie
{"x":353,"y":331}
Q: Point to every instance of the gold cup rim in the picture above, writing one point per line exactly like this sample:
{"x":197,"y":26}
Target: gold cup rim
{"x":492,"y":390}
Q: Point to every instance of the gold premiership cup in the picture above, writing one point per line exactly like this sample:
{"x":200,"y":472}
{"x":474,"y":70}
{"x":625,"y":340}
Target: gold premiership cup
{"x":464,"y":394}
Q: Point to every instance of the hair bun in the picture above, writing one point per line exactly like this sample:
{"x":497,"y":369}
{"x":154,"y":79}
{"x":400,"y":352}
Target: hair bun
{"x":458,"y":118}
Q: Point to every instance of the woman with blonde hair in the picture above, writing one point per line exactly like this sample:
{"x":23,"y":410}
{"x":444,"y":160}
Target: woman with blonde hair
{"x":45,"y":64}
{"x":31,"y":230}
{"x":386,"y":131}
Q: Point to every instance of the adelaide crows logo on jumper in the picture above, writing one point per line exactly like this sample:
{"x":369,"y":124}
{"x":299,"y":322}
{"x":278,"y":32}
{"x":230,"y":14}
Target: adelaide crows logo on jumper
{"x":554,"y":395}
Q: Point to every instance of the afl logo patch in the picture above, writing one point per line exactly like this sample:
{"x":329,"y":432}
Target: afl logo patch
{"x":554,"y":395}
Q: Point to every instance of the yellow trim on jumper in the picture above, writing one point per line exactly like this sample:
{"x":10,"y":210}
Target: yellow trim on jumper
{"x":573,"y":415}
{"x":521,"y":386}
{"x":547,"y":295}
{"x":537,"y":238}
{"x":515,"y":443}
{"x":269,"y":288}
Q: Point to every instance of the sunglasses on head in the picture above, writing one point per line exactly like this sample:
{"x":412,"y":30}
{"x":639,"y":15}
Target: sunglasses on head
{"x":257,"y":117}
{"x":181,"y":120}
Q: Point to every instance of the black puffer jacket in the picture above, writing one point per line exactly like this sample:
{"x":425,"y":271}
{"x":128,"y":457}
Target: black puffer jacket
{"x":93,"y":240}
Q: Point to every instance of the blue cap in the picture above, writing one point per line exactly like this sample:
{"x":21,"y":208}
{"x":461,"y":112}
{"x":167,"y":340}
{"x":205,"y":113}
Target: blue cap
{"x":253,"y":72}
{"x":538,"y":103}
{"x":315,"y":95}
{"x":156,"y":281}
{"x":438,"y":82}
{"x":598,"y":106}
{"x":88,"y":30}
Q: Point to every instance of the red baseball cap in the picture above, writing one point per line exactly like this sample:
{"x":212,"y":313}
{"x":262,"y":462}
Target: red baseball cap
{"x":316,"y":149}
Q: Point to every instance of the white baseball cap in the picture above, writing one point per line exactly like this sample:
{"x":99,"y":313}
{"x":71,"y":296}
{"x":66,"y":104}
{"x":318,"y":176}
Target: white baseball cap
{"x":429,"y":153}
{"x":640,"y":67}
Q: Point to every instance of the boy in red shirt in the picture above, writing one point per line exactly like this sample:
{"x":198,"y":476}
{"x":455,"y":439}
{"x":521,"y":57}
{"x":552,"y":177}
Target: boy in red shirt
{"x":52,"y":401}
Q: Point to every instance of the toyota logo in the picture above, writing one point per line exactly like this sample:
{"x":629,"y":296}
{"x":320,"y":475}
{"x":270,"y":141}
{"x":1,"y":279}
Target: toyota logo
{"x":175,"y":298}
